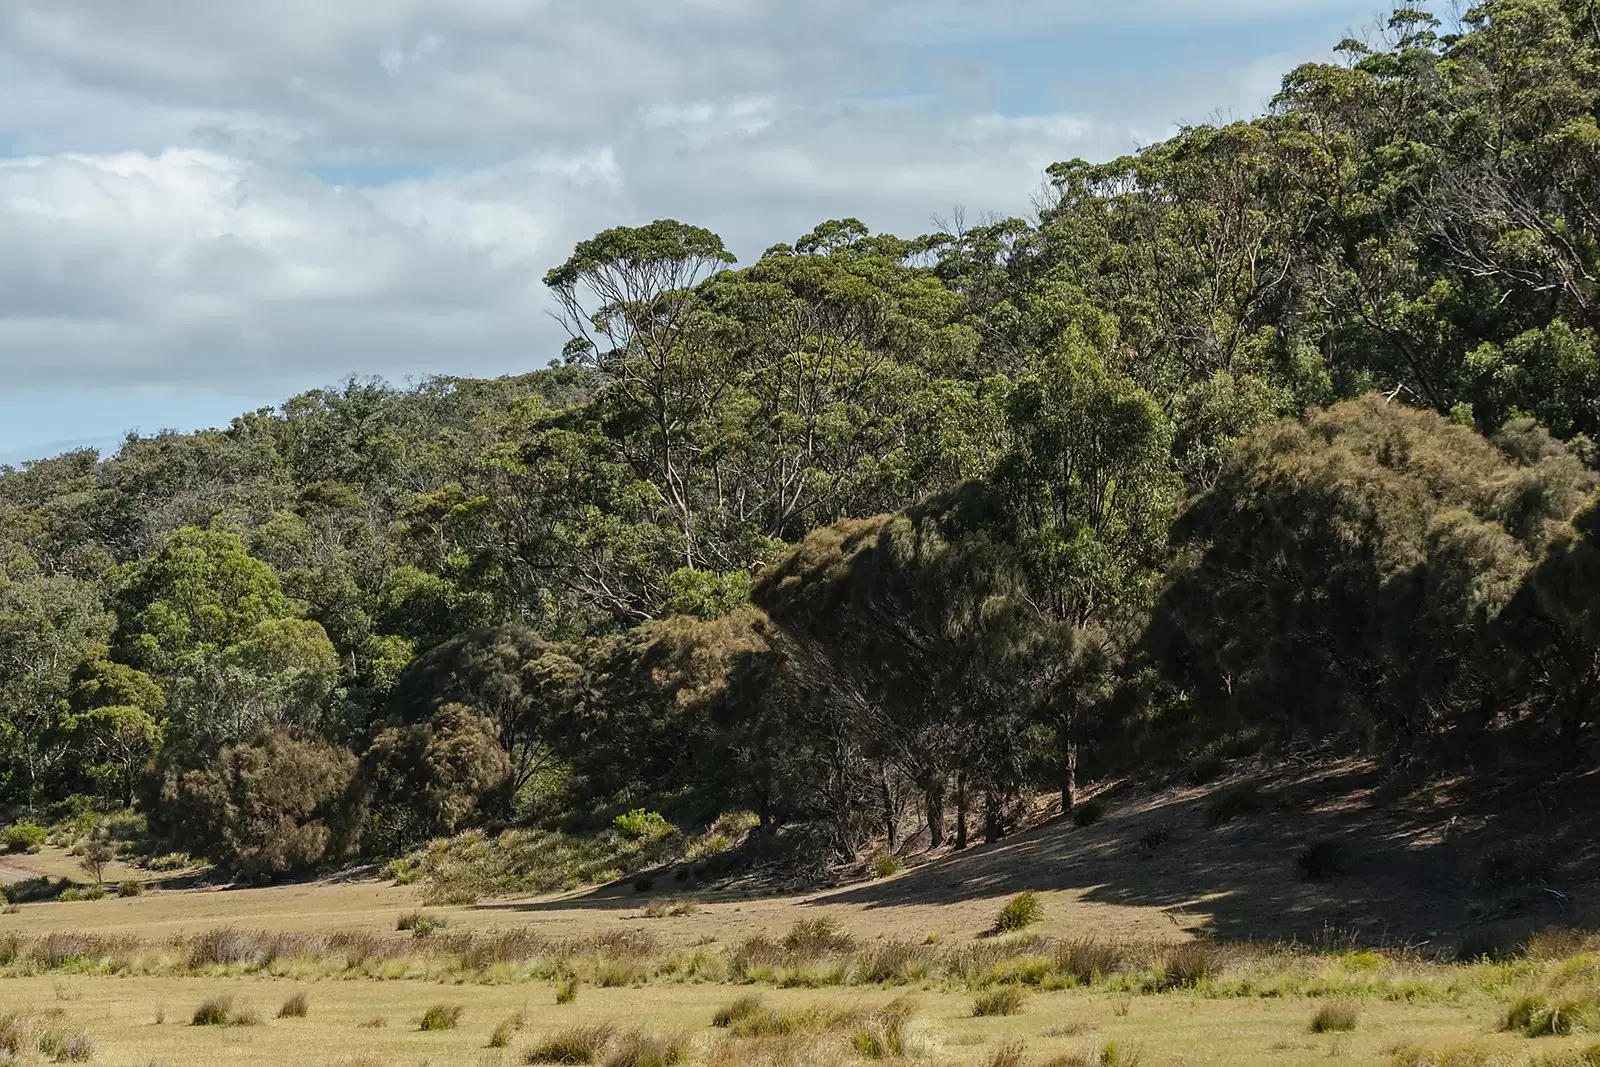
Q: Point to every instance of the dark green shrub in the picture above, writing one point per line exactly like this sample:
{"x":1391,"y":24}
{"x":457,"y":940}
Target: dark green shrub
{"x":1320,"y":859}
{"x":433,"y":778}
{"x":1019,"y":913}
{"x":1203,"y":770}
{"x":1088,"y":813}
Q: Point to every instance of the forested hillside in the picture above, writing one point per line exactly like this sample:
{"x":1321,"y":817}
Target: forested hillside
{"x":1276,"y":432}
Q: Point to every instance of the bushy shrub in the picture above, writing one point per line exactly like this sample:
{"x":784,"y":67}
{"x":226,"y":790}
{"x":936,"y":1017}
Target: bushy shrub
{"x":1233,"y":801}
{"x":267,"y":808}
{"x":433,"y":778}
{"x":130,"y":888}
{"x":643,"y":825}
{"x":1019,"y":913}
{"x":886,"y":867}
{"x":24,"y":837}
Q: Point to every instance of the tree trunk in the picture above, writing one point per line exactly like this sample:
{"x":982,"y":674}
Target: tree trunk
{"x":1068,"y":758}
{"x":891,"y":829}
{"x":961,"y":811}
{"x":991,"y":817}
{"x":933,"y":804}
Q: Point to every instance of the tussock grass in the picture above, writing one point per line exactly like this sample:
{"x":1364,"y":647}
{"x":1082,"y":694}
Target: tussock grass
{"x":1020,"y":912}
{"x":1453,"y":1054}
{"x":567,"y":992}
{"x":214,"y":1011}
{"x":72,"y":1046}
{"x":637,"y":1048}
{"x":1335,"y":1016}
{"x":441,"y":1017}
{"x":1577,"y":1057}
{"x":580,"y":1044}
{"x":1005,"y":1000}
{"x":296,"y":1005}
{"x":1012,"y":1055}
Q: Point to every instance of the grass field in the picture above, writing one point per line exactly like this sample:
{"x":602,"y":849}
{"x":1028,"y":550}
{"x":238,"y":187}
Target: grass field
{"x":1202,"y":951}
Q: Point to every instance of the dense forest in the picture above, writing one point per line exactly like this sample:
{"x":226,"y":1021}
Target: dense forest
{"x":1274,"y":433}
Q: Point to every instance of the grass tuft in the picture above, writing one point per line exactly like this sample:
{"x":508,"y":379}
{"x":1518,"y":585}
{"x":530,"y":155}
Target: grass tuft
{"x":1335,"y":1017}
{"x":1321,"y":859}
{"x":1002,"y":1000}
{"x":580,"y":1044}
{"x":640,"y":1049}
{"x":296,"y":1006}
{"x":1009,"y":1055}
{"x":1020,"y":912}
{"x":567,"y":991}
{"x":441,"y":1017}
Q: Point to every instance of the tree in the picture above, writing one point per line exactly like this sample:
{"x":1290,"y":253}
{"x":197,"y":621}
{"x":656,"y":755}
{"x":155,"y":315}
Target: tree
{"x":433,"y":778}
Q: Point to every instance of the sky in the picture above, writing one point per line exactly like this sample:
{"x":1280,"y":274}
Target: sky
{"x":207,"y":207}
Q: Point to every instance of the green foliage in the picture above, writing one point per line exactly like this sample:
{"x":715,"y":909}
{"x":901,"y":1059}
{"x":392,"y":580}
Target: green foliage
{"x":582,"y":1044}
{"x":1020,"y":912}
{"x":23,"y":837}
{"x":1002,"y":1000}
{"x":432,"y":779}
{"x":641,"y":825}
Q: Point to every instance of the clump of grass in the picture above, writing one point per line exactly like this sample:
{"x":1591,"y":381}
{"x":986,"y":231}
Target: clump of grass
{"x":13,"y":1034}
{"x":1233,"y":802}
{"x":1088,"y":960}
{"x":296,"y":1006}
{"x":1512,"y":865}
{"x":580,"y":1044}
{"x":640,"y":1049}
{"x":814,"y":938}
{"x":1121,"y":1054}
{"x":420,"y":924}
{"x":74,"y":1047}
{"x":740,"y":1009}
{"x":886,"y":866}
{"x":1458,"y":1054}
{"x":130,"y":888}
{"x":377,"y":1022}
{"x":1335,"y":1017}
{"x":888,"y":1032}
{"x":1549,"y":1015}
{"x":1002,"y":1000}
{"x":500,"y":1037}
{"x":1188,"y":964}
{"x":1020,"y":912}
{"x":1154,"y":838}
{"x":1066,"y":1030}
{"x":441,"y":1017}
{"x":1088,"y":813}
{"x":1321,"y":858}
{"x":567,"y":991}
{"x":1584,"y":1057}
{"x":213,"y":1011}
{"x":1009,"y":1055}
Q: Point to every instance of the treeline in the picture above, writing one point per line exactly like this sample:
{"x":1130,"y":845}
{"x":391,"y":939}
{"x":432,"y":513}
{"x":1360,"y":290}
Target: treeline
{"x":1274,"y":432}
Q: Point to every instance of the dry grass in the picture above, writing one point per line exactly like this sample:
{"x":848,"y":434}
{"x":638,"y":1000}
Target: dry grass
{"x":441,"y":1017}
{"x":296,"y":1005}
{"x":1335,"y":1017}
{"x":1006,"y":1000}
{"x":579,"y":1044}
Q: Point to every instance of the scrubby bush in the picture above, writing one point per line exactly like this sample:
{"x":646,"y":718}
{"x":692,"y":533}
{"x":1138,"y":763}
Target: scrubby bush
{"x":886,"y":867}
{"x":23,"y":837}
{"x":420,"y":924}
{"x":66,"y":1046}
{"x":1020,"y":912}
{"x":296,"y":1006}
{"x":214,"y":1011}
{"x":1233,"y":801}
{"x":433,"y":778}
{"x":130,"y":888}
{"x":262,"y":809}
{"x":567,"y":991}
{"x":643,"y":825}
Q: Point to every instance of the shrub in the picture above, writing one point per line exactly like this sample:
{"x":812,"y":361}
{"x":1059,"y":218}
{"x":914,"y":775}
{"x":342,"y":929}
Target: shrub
{"x":170,"y":861}
{"x":225,"y":946}
{"x":643,"y":884}
{"x":271,"y":807}
{"x":1547,"y":1015}
{"x":581,"y":1044}
{"x":440,"y":1017}
{"x":814,"y":938}
{"x":23,"y":837}
{"x":433,"y":778}
{"x":295,"y":1006}
{"x":886,"y":867}
{"x":1002,"y":1000}
{"x":130,"y":888}
{"x":1233,"y":801}
{"x":641,"y":825}
{"x":1320,"y":859}
{"x":1205,"y":769}
{"x":1088,"y":813}
{"x":1510,"y":866}
{"x":1335,"y":1017}
{"x":567,"y":992}
{"x":639,"y":1049}
{"x":1089,"y":959}
{"x":1019,"y":913}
